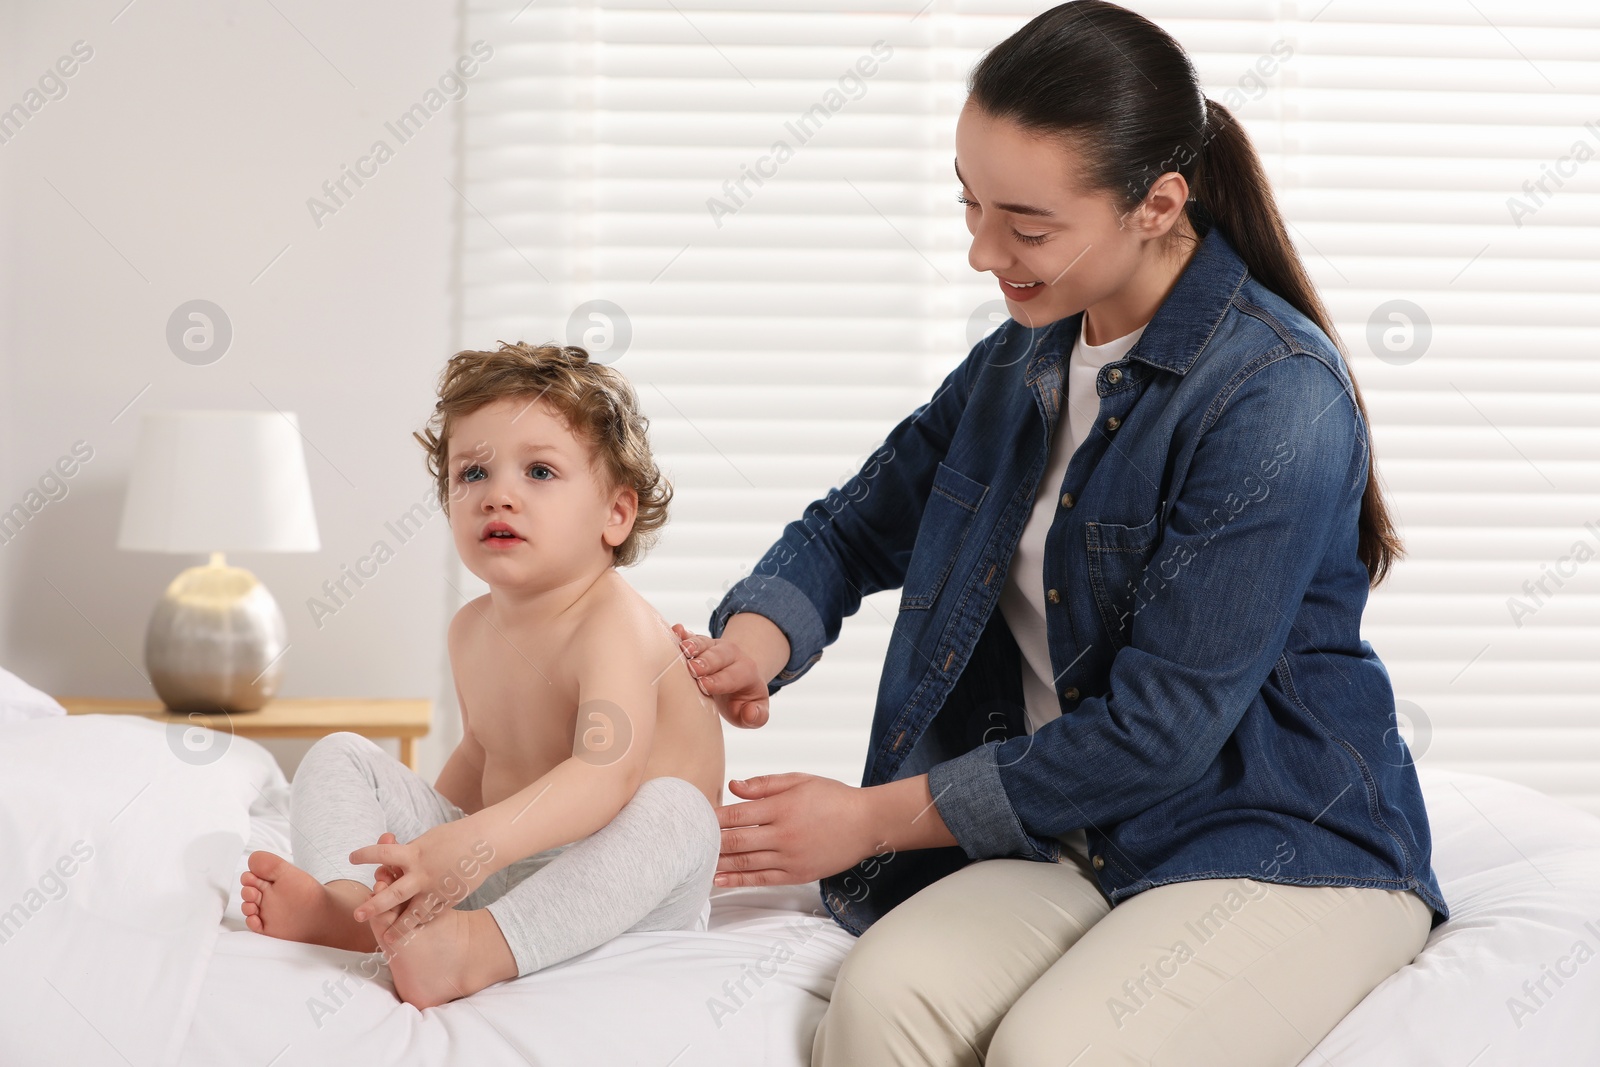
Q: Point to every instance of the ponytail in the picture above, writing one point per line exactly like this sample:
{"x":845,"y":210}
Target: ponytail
{"x":1231,"y":191}
{"x":1127,"y":96}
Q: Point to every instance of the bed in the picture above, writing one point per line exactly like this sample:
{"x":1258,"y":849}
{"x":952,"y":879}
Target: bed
{"x":121,"y":940}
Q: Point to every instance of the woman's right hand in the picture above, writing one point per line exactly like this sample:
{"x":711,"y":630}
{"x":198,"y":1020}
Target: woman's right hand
{"x":727,"y":675}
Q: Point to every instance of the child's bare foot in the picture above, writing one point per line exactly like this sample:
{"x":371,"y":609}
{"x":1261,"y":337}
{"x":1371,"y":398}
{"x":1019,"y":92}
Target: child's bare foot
{"x":281,"y":900}
{"x":454,"y":954}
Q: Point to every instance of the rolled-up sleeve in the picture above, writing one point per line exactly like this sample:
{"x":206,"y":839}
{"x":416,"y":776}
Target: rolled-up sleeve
{"x":1278,"y":472}
{"x":857,"y":539}
{"x":972,"y":801}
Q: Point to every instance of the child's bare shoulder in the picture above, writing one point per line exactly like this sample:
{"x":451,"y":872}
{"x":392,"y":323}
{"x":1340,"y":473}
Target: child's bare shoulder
{"x":466,"y":624}
{"x":617,"y":622}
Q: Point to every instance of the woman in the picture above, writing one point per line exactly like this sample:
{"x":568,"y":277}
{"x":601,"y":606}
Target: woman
{"x":1130,"y":798}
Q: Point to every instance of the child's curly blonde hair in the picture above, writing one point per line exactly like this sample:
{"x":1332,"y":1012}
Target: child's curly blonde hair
{"x":597,"y":403}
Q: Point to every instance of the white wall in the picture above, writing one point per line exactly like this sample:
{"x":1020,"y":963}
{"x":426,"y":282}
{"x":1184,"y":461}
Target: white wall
{"x":178,"y":166}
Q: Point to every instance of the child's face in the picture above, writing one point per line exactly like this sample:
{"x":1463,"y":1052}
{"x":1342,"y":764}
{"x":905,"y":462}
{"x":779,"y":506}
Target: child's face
{"x":514,"y":465}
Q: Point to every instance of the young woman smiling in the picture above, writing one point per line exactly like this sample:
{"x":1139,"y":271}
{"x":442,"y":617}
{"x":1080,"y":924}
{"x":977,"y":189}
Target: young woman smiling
{"x":1131,"y":796}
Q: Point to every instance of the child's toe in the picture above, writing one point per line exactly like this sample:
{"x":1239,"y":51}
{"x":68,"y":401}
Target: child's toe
{"x":265,"y":865}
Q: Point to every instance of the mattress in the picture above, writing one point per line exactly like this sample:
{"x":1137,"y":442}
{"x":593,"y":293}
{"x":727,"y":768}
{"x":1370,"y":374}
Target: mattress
{"x":121,"y":939}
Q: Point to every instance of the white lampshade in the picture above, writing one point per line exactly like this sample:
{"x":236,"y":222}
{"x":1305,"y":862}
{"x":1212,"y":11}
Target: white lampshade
{"x":219,"y":481}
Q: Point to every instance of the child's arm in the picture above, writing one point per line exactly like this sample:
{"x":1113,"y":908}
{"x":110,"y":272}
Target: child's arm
{"x":461,"y":780}
{"x":617,"y":661}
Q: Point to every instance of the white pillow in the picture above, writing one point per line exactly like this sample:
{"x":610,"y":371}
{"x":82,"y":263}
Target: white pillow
{"x":20,"y":701}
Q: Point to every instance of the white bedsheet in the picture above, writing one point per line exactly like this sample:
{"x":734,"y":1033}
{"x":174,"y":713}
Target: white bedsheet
{"x":1521,"y":873}
{"x":144,"y":959}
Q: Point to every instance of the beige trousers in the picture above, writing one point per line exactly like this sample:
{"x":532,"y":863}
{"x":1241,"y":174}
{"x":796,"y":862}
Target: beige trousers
{"x":1017,"y":963}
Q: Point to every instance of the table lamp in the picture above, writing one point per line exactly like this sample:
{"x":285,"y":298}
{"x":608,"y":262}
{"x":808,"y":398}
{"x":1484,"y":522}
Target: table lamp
{"x":216,"y":482}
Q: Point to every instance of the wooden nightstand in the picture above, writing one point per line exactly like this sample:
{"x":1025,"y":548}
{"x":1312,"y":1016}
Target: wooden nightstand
{"x":299,"y":717}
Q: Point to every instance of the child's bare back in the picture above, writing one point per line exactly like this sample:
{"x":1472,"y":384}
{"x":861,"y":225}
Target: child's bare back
{"x":517,"y":680}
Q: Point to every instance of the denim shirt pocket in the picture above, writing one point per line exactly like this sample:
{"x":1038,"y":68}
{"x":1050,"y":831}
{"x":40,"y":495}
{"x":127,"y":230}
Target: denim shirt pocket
{"x":952,"y":505}
{"x":1118,"y":556}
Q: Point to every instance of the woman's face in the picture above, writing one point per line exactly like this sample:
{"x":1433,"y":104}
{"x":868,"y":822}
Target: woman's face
{"x":1032,"y":221}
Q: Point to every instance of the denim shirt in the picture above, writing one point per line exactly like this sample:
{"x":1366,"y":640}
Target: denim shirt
{"x":1221,"y":716}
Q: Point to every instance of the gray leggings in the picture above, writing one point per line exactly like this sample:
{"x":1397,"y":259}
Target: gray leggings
{"x":650,"y":868}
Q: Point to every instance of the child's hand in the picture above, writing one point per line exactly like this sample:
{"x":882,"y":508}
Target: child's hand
{"x":435,"y":871}
{"x":386,"y":874}
{"x":727,"y":675}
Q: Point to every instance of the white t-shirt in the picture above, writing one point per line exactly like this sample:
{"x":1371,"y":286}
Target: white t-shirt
{"x":1022,"y":599}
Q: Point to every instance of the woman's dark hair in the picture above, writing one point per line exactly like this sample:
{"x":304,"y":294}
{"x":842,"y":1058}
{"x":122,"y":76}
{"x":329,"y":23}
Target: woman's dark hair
{"x":1118,"y":89}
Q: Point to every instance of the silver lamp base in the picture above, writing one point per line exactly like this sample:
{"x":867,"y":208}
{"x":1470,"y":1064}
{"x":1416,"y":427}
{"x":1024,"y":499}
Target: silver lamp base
{"x":215,"y":641}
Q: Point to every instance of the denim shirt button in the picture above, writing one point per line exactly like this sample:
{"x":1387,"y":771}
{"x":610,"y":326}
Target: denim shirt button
{"x":1113,"y":422}
{"x":1113,"y":376}
{"x":1055,"y":597}
{"x":1066,"y":500}
{"x":1070,"y":693}
{"x":1099,"y":862}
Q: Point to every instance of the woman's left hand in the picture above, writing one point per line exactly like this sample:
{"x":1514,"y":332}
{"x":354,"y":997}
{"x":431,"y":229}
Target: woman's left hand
{"x":792,"y":828}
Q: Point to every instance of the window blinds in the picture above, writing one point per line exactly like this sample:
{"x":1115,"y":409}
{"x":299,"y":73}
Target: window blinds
{"x":748,"y":207}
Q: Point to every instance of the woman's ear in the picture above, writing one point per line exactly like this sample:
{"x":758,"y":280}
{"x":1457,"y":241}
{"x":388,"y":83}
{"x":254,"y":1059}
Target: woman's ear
{"x":1162,"y":206}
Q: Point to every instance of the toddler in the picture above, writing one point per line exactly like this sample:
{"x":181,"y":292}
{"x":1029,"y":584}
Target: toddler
{"x":580,"y":803}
